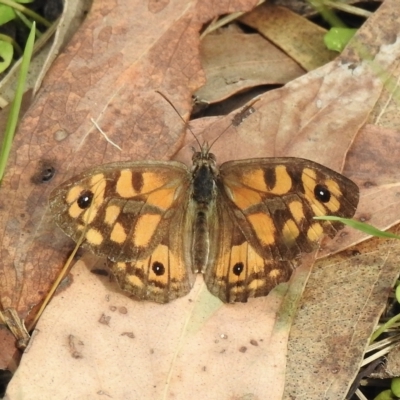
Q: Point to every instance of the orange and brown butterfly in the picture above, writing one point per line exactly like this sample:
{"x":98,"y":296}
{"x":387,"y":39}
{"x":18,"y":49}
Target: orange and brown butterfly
{"x":243,"y":224}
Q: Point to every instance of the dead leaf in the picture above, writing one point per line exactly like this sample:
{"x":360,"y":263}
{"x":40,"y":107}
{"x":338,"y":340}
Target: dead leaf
{"x":113,"y":78}
{"x":179,"y":348}
{"x":301,"y":39}
{"x":229,"y":71}
{"x":339,"y":310}
{"x":74,"y":11}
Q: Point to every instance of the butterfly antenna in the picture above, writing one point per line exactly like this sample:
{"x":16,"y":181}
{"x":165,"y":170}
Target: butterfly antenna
{"x":180,"y":116}
{"x":213,"y":142}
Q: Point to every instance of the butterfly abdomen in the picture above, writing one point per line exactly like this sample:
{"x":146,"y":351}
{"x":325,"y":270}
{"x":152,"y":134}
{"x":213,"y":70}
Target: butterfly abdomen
{"x":201,"y":240}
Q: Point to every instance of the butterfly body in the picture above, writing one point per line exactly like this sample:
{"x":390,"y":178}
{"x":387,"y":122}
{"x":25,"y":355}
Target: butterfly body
{"x":243,"y":225}
{"x":203,"y":195}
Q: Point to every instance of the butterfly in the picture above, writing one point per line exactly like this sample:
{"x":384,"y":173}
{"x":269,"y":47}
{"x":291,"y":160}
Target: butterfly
{"x":243,"y":225}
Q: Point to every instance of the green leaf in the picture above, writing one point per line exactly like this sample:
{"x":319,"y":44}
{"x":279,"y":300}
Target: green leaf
{"x":7,"y":14}
{"x":337,"y":38}
{"x":395,"y":386}
{"x":6,"y":55}
{"x":360,"y":226}
{"x":397,"y":293}
{"x":385,"y":395}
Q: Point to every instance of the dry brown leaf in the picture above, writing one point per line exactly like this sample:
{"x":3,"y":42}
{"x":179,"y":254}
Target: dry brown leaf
{"x":74,"y":11}
{"x":391,"y":368}
{"x":338,"y":312}
{"x":297,"y":36}
{"x":229,"y":71}
{"x":108,"y":74}
{"x":105,"y":342}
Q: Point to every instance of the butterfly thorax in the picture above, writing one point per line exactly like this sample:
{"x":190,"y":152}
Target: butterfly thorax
{"x":204,"y":173}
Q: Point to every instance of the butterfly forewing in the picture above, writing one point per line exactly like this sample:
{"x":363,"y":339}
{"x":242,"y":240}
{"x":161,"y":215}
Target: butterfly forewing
{"x":278,"y":199}
{"x":123,"y":209}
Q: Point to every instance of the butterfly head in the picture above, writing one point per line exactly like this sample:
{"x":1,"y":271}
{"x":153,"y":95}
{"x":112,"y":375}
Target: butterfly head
{"x":204,"y":158}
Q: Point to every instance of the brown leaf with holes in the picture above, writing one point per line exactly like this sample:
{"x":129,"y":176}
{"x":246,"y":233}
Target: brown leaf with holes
{"x":109,"y":75}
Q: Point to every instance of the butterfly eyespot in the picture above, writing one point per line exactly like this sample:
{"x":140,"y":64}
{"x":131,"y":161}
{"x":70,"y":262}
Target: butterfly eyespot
{"x":238,"y":268}
{"x":158,"y":268}
{"x":85,"y":199}
{"x":322,"y":193}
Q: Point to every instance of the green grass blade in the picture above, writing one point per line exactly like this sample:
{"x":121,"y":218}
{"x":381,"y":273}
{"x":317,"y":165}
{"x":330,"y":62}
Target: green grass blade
{"x":16,"y":104}
{"x":27,"y":11}
{"x":360,"y":226}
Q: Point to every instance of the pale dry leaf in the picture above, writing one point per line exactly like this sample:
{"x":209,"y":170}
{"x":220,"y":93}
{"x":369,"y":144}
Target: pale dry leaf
{"x":176,"y":349}
{"x":301,"y":39}
{"x":229,"y":71}
{"x":330,"y":110}
{"x":340,"y":308}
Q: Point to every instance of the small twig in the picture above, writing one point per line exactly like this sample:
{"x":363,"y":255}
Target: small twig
{"x":224,"y":21}
{"x":104,"y":134}
{"x":347,"y":8}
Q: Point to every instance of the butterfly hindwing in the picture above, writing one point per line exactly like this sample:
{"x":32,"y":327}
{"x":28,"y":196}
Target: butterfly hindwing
{"x":236,"y":271}
{"x":165,"y":274}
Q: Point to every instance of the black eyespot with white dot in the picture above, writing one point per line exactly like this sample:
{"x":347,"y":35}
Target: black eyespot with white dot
{"x":238,"y":268}
{"x":322,"y":193}
{"x":158,"y":268}
{"x":85,"y":199}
